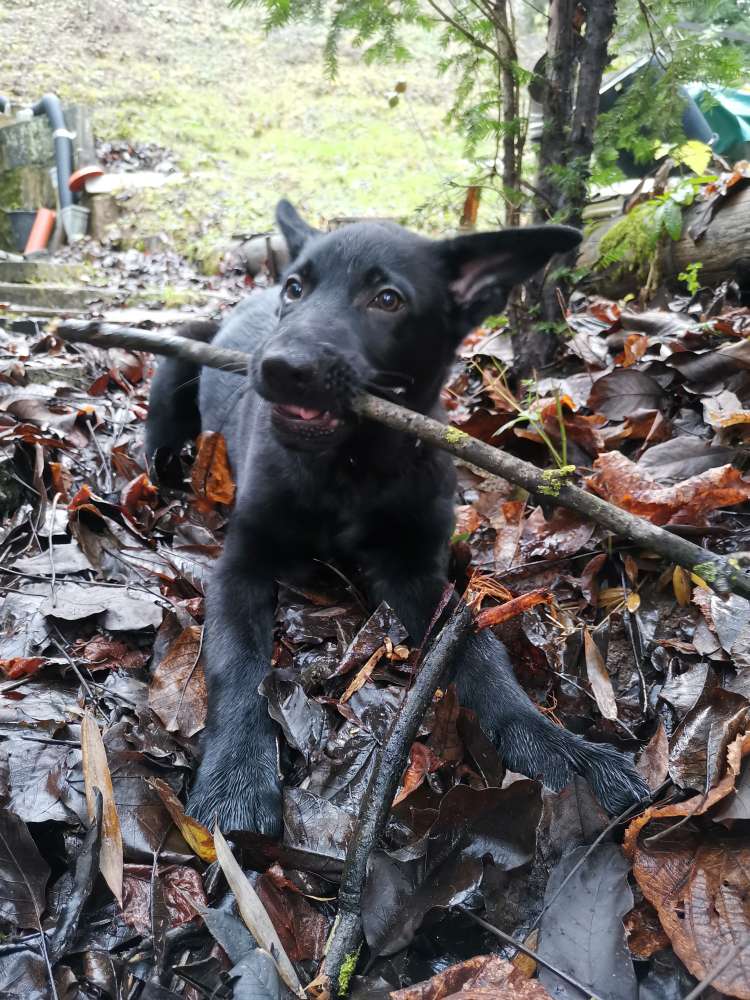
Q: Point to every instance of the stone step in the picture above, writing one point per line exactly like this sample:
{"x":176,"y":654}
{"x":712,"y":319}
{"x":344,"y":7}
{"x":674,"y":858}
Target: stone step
{"x":32,"y":271}
{"x":45,"y":296}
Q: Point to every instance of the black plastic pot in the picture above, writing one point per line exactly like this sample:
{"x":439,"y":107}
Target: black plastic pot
{"x":21,"y":222}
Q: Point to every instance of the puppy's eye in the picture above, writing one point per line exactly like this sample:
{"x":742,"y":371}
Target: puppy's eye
{"x":293,"y":288}
{"x":389,"y":300}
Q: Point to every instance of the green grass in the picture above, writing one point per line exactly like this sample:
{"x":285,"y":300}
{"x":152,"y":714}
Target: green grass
{"x":252,"y":118}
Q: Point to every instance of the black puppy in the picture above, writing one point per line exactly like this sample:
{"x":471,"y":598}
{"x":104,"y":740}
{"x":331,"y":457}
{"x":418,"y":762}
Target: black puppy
{"x":370,"y":305}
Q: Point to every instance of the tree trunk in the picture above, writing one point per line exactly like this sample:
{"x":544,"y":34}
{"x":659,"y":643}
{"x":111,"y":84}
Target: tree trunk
{"x":557,"y":104}
{"x":600,"y":22}
{"x":575,"y":65}
{"x":510,"y":111}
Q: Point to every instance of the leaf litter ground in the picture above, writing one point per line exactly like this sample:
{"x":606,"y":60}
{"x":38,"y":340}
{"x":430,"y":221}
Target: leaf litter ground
{"x":102,"y":695}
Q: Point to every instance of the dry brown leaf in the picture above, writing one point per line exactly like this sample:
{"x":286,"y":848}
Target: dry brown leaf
{"x":96,"y":775}
{"x":422,"y":761}
{"x":599,"y":679}
{"x":485,"y":976}
{"x":177,"y":693}
{"x":699,"y":890}
{"x":653,"y":763}
{"x":624,"y":484}
{"x":211,"y":478}
{"x":645,"y":934}
{"x":194,"y":833}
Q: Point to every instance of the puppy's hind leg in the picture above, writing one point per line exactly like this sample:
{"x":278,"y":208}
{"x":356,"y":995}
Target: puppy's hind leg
{"x":529,"y":742}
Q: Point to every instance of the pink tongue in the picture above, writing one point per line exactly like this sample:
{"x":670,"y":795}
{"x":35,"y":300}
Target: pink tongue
{"x":305,"y":414}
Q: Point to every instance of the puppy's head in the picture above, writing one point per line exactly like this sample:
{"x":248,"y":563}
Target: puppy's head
{"x":375,"y":306}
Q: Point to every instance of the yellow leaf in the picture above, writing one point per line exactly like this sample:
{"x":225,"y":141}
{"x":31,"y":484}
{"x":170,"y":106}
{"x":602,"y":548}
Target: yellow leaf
{"x":96,"y":774}
{"x":525,"y":964}
{"x":683,"y":591}
{"x":633,"y":602}
{"x":198,"y":838}
{"x":695,"y":155}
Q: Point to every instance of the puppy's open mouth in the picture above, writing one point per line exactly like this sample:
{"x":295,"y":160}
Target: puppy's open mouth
{"x":306,"y":421}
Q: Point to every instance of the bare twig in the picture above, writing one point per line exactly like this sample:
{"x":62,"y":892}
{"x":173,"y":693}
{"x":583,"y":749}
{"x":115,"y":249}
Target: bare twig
{"x":719,"y":572}
{"x":346,"y":937}
{"x":586,"y":990}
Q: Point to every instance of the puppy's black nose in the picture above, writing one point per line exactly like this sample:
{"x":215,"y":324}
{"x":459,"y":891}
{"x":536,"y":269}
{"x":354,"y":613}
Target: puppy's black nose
{"x":285,"y":376}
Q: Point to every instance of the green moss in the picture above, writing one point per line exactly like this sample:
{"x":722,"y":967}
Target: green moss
{"x":347,"y":971}
{"x":453,"y":435}
{"x":554,"y":479}
{"x":707,"y":571}
{"x":628,"y":246}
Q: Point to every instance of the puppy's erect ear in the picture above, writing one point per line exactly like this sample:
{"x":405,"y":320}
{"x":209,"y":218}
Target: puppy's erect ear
{"x":483,"y":268}
{"x":295,"y":230}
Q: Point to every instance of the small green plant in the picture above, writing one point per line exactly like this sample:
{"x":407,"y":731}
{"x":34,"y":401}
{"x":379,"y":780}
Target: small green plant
{"x":689,"y":277}
{"x":527,"y":413}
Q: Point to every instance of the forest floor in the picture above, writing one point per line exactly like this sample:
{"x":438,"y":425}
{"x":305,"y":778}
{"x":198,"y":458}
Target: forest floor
{"x":102,"y":578}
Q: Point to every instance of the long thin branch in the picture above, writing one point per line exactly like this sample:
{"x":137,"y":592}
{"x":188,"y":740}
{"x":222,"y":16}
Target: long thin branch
{"x":346,"y":937}
{"x":717,"y":571}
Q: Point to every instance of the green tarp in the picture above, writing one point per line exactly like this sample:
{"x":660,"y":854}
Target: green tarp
{"x":728,"y":114}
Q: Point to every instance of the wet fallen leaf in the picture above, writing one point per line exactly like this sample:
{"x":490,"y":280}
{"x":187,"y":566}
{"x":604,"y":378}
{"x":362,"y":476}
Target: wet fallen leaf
{"x":183,"y":895}
{"x":23,"y":874}
{"x":211,"y":477}
{"x":195,"y":834}
{"x":625,"y":484}
{"x":178,"y":687}
{"x":486,"y":976}
{"x":623,"y":391}
{"x":255,"y":915}
{"x":700,"y":742}
{"x":581,"y":931}
{"x":96,"y":775}
{"x":422,"y":761}
{"x":599,"y":679}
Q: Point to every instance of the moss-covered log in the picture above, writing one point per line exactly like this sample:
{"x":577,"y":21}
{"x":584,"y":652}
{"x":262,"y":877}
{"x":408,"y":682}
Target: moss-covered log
{"x":723,"y":251}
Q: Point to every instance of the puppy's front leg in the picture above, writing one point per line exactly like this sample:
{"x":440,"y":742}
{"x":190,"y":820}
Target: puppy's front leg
{"x":237,"y":781}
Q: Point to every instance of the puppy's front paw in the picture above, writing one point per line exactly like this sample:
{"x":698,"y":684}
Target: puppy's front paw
{"x":239,"y":795}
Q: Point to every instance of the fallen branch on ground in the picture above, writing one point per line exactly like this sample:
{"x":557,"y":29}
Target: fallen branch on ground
{"x":346,"y":936}
{"x":719,"y":572}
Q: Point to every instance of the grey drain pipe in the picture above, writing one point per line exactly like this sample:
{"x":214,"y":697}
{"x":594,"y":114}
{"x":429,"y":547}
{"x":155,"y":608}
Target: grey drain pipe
{"x":50,"y":105}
